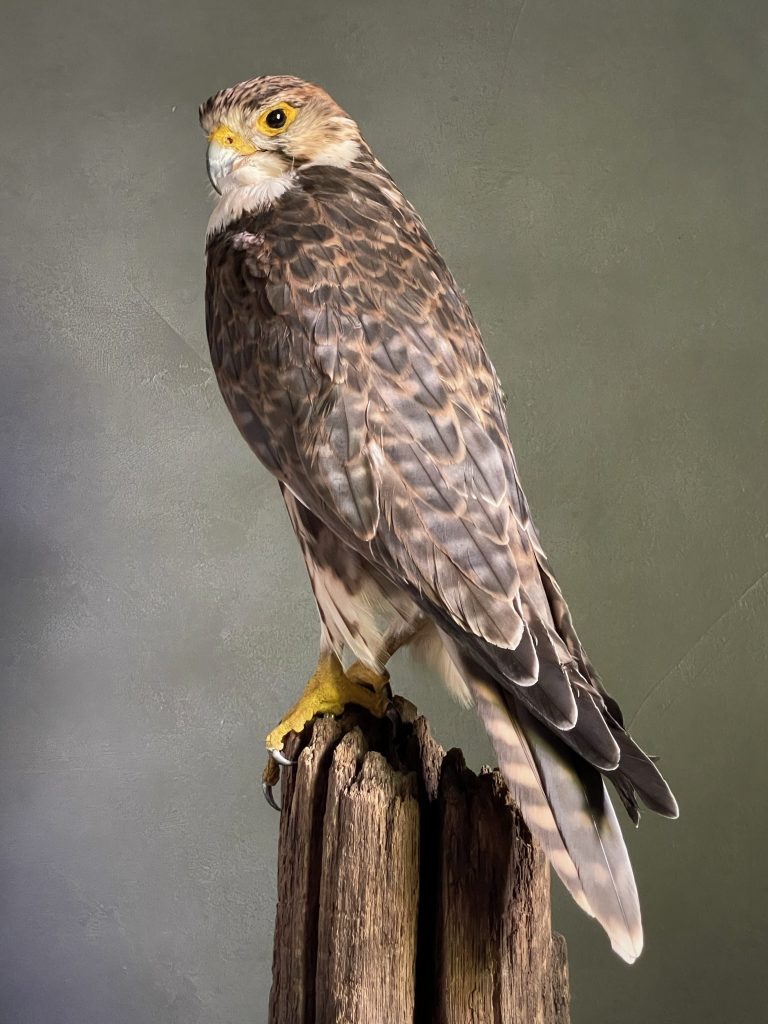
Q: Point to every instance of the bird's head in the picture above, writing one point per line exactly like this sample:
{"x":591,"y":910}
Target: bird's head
{"x":268,"y":126}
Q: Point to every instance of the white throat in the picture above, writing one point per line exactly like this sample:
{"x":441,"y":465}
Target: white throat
{"x":249,"y":188}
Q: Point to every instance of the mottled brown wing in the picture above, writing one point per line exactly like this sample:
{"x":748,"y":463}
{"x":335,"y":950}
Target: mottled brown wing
{"x":354,"y":368}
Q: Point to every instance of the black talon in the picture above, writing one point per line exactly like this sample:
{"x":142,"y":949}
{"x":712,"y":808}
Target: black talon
{"x":267,"y":788}
{"x":269,"y":779}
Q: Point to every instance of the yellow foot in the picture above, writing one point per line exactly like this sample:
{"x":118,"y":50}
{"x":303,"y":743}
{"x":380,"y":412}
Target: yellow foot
{"x":328,"y":692}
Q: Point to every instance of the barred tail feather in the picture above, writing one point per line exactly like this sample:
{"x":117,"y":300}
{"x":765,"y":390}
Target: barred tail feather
{"x":587,"y":821}
{"x":565,"y":804}
{"x":522,"y":776}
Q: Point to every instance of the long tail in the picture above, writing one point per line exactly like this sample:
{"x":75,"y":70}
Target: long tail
{"x":558,"y":734}
{"x":565,"y":804}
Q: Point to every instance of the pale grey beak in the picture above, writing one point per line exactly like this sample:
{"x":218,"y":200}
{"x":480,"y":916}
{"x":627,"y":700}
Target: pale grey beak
{"x":219,"y":162}
{"x":209,"y":168}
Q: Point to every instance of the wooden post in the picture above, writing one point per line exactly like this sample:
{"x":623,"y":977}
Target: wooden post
{"x":408,"y":888}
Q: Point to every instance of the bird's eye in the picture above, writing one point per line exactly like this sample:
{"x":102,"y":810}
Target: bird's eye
{"x":277,"y":119}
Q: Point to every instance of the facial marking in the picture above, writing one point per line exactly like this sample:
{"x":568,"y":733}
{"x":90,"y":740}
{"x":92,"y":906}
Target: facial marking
{"x":262,"y":133}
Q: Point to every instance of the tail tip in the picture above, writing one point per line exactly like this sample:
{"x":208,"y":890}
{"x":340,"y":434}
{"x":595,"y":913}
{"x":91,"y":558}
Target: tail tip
{"x":628,"y":945}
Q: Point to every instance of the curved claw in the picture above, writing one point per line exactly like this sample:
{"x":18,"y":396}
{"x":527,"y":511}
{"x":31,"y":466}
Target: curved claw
{"x":279,"y":756}
{"x":270,"y":778}
{"x":268,"y":796}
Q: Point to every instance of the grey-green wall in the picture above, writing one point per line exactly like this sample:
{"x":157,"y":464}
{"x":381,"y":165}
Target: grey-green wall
{"x":594,"y":172}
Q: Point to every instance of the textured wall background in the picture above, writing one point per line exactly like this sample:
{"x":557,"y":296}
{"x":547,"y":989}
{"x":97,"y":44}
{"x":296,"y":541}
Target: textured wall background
{"x":595,"y":174}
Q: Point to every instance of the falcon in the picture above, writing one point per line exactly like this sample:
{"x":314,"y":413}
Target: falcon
{"x":352,"y":366}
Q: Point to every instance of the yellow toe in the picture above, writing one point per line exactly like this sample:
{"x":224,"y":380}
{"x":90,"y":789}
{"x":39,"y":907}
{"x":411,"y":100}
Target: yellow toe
{"x":328,"y":692}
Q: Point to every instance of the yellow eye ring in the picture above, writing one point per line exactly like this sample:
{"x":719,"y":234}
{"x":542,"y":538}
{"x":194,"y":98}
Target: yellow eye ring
{"x":275,"y":120}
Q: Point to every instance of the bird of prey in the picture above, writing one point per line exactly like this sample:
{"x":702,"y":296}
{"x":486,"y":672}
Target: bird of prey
{"x":352,"y":365}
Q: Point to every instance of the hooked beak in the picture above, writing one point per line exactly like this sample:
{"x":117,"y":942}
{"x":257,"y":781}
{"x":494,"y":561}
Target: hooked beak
{"x":212,"y":176}
{"x":225,"y":147}
{"x":219,"y":162}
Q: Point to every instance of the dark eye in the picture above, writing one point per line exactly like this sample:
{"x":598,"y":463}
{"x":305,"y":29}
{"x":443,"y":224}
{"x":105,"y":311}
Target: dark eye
{"x":275,"y":118}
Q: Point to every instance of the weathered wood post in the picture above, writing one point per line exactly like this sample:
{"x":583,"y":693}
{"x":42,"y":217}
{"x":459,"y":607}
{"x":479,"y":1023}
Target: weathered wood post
{"x":408,"y":888}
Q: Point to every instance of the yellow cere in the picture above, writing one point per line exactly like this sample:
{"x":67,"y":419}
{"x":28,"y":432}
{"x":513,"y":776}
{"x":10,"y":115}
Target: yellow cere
{"x":264,"y":118}
{"x":227,"y":137}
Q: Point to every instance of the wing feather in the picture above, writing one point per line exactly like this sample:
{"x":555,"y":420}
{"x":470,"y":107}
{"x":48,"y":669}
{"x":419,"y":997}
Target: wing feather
{"x":396,"y":436}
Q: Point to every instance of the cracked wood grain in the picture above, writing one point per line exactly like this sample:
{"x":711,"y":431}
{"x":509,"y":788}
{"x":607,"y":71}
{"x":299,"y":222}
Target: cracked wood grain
{"x":409,"y":891}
